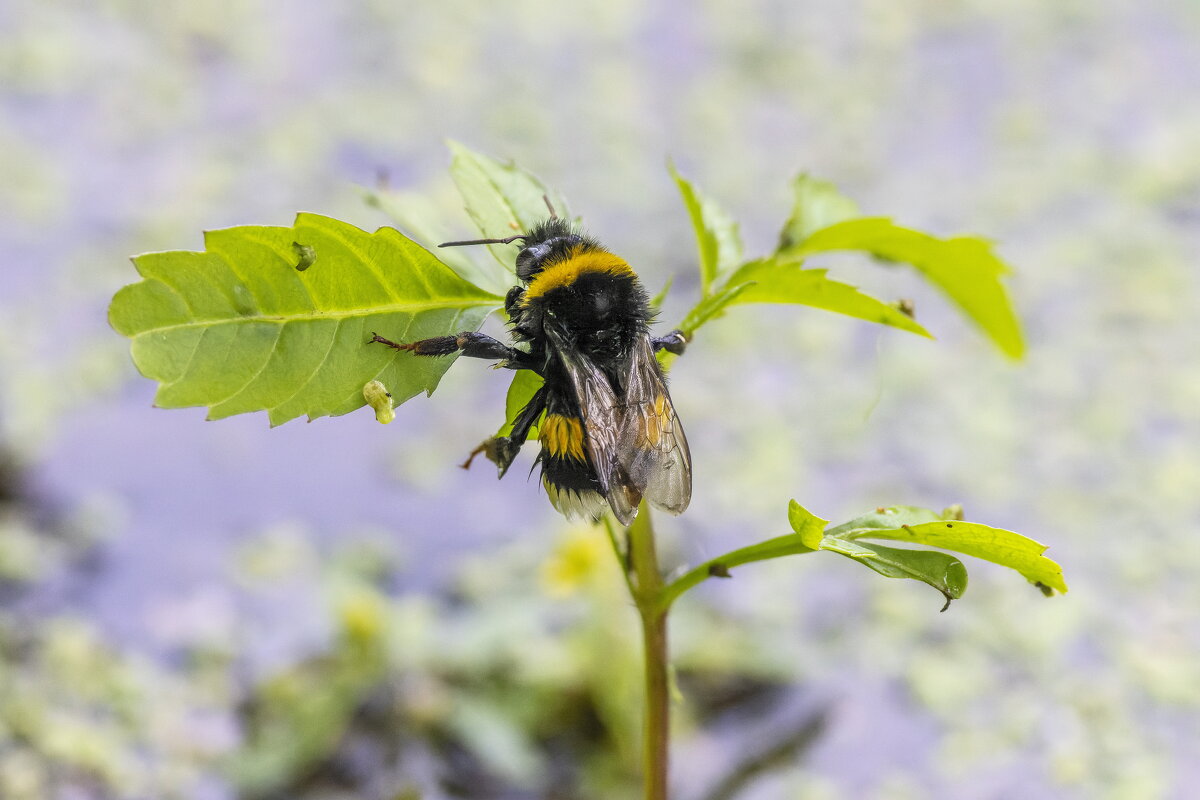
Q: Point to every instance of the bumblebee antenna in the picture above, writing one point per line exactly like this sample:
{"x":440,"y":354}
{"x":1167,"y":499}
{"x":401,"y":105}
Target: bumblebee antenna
{"x":509,"y":240}
{"x":549,"y":205}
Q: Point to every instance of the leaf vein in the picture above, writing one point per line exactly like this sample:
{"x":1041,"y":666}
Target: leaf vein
{"x":368,"y":263}
{"x":270,"y":351}
{"x":302,"y":385}
{"x":408,"y":308}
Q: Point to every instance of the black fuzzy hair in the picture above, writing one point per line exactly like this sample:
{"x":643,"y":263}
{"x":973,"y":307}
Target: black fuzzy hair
{"x":556,"y":227}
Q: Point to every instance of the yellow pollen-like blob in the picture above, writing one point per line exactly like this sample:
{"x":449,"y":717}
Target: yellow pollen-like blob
{"x":578,"y":263}
{"x":563,"y":437}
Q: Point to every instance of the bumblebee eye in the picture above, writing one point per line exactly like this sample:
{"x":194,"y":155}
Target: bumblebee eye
{"x":524,"y":266}
{"x":529,"y":260}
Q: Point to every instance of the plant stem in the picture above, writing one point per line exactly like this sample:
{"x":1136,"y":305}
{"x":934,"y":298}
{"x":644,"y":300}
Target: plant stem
{"x":647,"y":588}
{"x":655,"y":747}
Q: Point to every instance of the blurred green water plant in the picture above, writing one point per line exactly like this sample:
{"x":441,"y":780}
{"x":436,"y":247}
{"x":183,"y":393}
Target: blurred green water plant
{"x":520,"y":680}
{"x":278,"y":319}
{"x":79,"y":716}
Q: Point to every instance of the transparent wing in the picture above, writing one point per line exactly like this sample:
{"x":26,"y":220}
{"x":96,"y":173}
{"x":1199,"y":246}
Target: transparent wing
{"x":651,"y":445}
{"x":601,"y":411}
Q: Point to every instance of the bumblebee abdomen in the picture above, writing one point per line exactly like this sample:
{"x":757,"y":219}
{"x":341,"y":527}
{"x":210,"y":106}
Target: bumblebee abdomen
{"x":567,"y":475}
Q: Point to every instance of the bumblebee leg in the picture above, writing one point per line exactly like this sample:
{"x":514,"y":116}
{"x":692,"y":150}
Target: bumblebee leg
{"x":507,"y":447}
{"x":487,"y":447}
{"x":470,"y":343}
{"x":674,"y":342}
{"x":512,"y":301}
{"x":502,"y":450}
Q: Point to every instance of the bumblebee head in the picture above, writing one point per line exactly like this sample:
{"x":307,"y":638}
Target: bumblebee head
{"x":553,"y":240}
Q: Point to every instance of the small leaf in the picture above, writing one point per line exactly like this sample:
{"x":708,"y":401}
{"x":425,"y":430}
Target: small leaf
{"x":948,"y":532}
{"x":817,"y":204}
{"x":783,"y":280}
{"x":885,"y":519}
{"x":999,"y":546}
{"x":806,"y":524}
{"x":524,"y":386}
{"x":237,"y":328}
{"x":716,"y":233}
{"x":502,"y":199}
{"x":941,"y":571}
{"x":964,"y":268}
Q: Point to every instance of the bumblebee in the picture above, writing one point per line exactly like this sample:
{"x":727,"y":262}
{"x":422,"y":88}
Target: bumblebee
{"x":608,"y":432}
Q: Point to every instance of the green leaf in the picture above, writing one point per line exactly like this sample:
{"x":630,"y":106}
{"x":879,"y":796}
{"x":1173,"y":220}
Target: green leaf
{"x":964,"y":267}
{"x":817,"y":204}
{"x":716,"y":233}
{"x":999,"y":546}
{"x":238,"y":328}
{"x":885,"y":519}
{"x":524,"y":386}
{"x":502,"y":199}
{"x":784,"y":280}
{"x":807,"y":525}
{"x":809,"y":536}
{"x":900,"y":523}
{"x":941,"y":571}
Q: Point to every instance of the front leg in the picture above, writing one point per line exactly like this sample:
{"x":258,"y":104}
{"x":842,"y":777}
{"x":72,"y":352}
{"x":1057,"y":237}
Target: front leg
{"x":470,"y":343}
{"x":674,"y":342}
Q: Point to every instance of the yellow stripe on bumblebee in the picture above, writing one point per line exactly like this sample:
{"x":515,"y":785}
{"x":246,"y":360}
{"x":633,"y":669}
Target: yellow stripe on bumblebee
{"x":563,"y":437}
{"x":580,"y":262}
